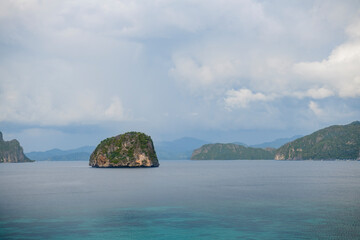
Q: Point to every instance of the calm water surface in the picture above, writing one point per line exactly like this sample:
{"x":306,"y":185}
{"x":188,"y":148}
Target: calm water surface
{"x":181,"y":200}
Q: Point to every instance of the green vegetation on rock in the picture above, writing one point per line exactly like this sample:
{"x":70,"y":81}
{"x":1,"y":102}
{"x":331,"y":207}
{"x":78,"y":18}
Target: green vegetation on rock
{"x":132,"y":149}
{"x":334,"y":142}
{"x":231,"y":151}
{"x":11,"y":151}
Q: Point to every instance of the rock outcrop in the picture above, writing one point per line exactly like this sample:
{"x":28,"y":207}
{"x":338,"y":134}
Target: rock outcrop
{"x":11,"y":151}
{"x":132,"y":149}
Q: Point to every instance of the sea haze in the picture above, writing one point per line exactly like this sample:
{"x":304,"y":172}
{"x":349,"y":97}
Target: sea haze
{"x":181,"y":200}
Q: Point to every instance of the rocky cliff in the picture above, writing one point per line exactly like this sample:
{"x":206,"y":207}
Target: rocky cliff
{"x":132,"y":149}
{"x":334,"y":142}
{"x":230,"y":151}
{"x":11,"y":151}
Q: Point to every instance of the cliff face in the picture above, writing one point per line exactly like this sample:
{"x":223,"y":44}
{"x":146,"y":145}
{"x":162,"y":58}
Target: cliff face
{"x":131,"y":149}
{"x":231,"y":151}
{"x":334,"y":142}
{"x":11,"y":151}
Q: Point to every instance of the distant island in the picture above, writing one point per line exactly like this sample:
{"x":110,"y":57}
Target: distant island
{"x":132,"y":149}
{"x":335,"y":142}
{"x":231,"y":151}
{"x":11,"y":151}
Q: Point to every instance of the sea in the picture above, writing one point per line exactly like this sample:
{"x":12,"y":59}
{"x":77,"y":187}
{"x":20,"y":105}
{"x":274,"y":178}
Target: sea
{"x":257,"y":199}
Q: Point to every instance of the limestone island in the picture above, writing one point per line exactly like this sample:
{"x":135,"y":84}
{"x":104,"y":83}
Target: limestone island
{"x":131,"y":150}
{"x":11,"y":151}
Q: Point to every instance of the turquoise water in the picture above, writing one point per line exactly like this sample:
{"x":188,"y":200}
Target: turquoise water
{"x":181,"y":200}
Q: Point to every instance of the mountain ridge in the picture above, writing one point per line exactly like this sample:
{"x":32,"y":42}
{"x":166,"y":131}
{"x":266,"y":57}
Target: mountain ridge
{"x":333,"y":142}
{"x":55,"y":154}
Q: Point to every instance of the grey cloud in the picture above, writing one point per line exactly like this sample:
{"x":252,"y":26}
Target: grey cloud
{"x":174,"y":67}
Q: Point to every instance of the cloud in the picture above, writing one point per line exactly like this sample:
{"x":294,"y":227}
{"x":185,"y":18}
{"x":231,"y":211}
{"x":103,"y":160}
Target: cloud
{"x":319,"y":93}
{"x":217,"y":71}
{"x":243,"y":97}
{"x":44,"y":92}
{"x":314,"y":93}
{"x":314,"y":107}
{"x":69,"y":63}
{"x":207,"y":77}
{"x":340,"y":72}
{"x":44,"y":109}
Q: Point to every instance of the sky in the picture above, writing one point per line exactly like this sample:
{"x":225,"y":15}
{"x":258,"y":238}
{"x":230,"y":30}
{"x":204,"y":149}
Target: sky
{"x":75,"y":72}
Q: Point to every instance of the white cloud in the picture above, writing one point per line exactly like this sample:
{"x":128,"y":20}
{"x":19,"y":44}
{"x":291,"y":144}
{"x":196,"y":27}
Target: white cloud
{"x":243,"y":97}
{"x":314,"y":107}
{"x":314,"y":93}
{"x":340,"y":72}
{"x":319,"y":93}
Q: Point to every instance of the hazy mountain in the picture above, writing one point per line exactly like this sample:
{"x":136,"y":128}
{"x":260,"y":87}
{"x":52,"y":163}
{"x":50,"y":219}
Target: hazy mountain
{"x":334,"y":142}
{"x":230,"y":151}
{"x":179,"y":149}
{"x":77,"y":154}
{"x":276,"y":143}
